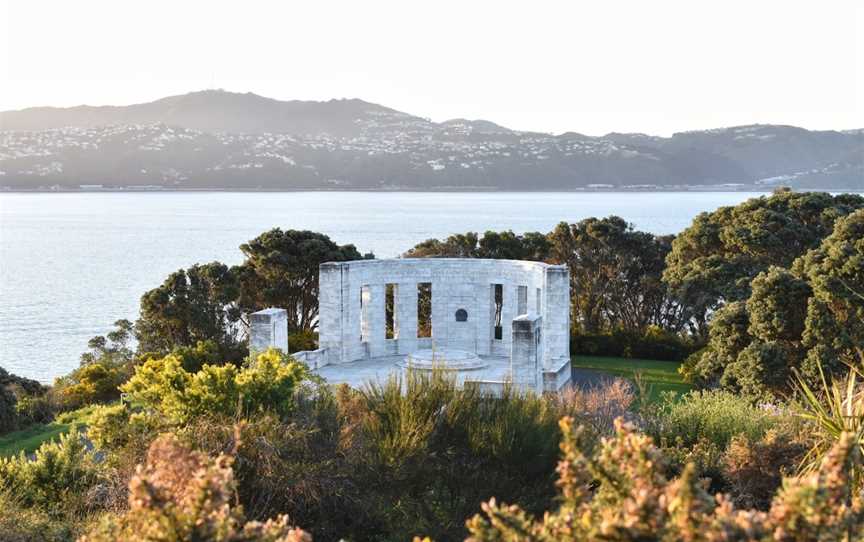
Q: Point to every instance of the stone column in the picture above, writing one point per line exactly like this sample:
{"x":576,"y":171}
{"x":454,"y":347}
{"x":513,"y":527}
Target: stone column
{"x":268,"y":329}
{"x":330,"y":311}
{"x":556,"y":312}
{"x":406,"y":316}
{"x":376,"y":321}
{"x":439,"y":311}
{"x":525,"y":353}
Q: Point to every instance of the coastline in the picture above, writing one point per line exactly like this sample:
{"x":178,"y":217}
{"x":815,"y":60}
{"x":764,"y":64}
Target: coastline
{"x":445,"y":189}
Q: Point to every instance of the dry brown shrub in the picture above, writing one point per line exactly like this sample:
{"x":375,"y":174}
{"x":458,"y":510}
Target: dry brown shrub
{"x":597,"y":407}
{"x":180,"y":495}
{"x":755,"y":470}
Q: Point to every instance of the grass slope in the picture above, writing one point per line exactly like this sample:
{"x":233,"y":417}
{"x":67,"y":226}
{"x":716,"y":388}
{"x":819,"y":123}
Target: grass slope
{"x":27,"y":440}
{"x":660,"y":376}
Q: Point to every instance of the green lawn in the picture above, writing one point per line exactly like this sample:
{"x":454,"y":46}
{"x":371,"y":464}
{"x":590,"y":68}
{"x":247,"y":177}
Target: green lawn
{"x":29,"y":439}
{"x":659,"y":376}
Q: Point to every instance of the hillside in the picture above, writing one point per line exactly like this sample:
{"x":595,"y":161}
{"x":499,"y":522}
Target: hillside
{"x":218,"y":139}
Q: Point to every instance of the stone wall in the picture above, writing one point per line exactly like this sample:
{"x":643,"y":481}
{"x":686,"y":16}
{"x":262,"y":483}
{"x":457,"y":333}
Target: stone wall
{"x":268,"y":328}
{"x":525,"y":363}
{"x":351,"y":330}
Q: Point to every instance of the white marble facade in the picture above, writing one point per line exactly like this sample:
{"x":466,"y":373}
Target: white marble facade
{"x":534,"y":315}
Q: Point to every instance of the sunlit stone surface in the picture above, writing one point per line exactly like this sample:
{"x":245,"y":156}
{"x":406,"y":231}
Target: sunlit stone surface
{"x":447,"y":359}
{"x":493,"y":322}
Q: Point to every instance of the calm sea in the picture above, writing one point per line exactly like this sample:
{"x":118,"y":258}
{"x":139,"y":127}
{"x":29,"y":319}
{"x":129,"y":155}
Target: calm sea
{"x":73,"y":263}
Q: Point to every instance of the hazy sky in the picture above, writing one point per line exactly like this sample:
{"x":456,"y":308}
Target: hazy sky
{"x":591,"y":66}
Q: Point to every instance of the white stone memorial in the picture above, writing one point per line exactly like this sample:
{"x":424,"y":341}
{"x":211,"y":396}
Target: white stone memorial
{"x":491,"y":322}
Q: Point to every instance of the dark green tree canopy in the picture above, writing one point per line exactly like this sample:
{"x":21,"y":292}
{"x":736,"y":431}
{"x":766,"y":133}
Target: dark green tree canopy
{"x":615,"y":271}
{"x":835,"y":316}
{"x":281,"y":270}
{"x":615,"y":275}
{"x":504,"y":245}
{"x":803,"y":318}
{"x":196,"y":304}
{"x":715,"y":259}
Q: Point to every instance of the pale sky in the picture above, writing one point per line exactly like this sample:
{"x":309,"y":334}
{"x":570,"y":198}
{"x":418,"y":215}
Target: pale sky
{"x":590,"y":66}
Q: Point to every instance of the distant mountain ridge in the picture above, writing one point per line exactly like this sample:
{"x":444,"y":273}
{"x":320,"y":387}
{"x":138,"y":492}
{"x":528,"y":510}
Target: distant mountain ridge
{"x":207,"y":111}
{"x":218,"y":139}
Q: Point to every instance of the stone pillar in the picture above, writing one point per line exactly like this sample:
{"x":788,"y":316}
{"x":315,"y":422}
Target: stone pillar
{"x":330,"y":311}
{"x":377,"y":324}
{"x":522,"y":300}
{"x":439,"y":312}
{"x":556,"y":312}
{"x":269,"y":329}
{"x":525,"y":352}
{"x":406,"y":316}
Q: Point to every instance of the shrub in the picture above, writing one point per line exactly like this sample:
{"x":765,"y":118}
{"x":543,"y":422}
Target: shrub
{"x":184,"y":495}
{"x":8,"y":412}
{"x":22,"y":524}
{"x":194,"y":358}
{"x":22,"y":402}
{"x":55,"y":479}
{"x":302,"y":340}
{"x":654,"y":343}
{"x":425,"y":452}
{"x":715,"y":416}
{"x":298,"y":467}
{"x":596,"y":407}
{"x":116,"y":428}
{"x":634,"y":500}
{"x":19,"y":384}
{"x":754,"y":469}
{"x":96,"y":382}
{"x":34,"y":409}
{"x":267,"y":384}
{"x":689,"y":368}
{"x":704,"y":457}
{"x":379,"y":464}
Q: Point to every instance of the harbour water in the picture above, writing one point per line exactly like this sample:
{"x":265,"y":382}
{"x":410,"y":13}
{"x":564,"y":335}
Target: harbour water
{"x":73,"y":263}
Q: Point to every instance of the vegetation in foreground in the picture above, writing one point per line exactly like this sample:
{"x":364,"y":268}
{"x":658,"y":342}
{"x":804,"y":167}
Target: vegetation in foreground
{"x":656,"y":376}
{"x":635,"y":499}
{"x":403,"y":459}
{"x":765,"y":300}
{"x":28,"y":440}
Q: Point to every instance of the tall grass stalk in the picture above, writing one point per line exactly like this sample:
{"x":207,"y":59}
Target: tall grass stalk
{"x":834,"y":409}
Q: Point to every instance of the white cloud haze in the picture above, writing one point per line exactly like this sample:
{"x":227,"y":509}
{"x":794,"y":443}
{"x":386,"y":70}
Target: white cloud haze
{"x":590,"y":66}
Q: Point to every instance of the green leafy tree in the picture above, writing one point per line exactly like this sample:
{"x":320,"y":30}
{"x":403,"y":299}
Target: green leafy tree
{"x":615,"y":275}
{"x":16,"y":394}
{"x":776,"y":311}
{"x":112,"y":348}
{"x":504,"y":245}
{"x":281,"y":270}
{"x":714,"y":260}
{"x":196,"y":304}
{"x":105,"y":366}
{"x":755,"y":344}
{"x":834,"y":331}
{"x":456,"y":246}
{"x":809,"y":318}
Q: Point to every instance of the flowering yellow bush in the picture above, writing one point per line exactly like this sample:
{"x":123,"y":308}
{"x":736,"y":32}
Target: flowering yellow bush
{"x":181,"y":495}
{"x":633,"y":500}
{"x":164,"y":385}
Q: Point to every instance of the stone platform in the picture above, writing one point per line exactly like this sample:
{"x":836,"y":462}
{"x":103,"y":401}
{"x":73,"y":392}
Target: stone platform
{"x":448,"y":359}
{"x":358,"y":373}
